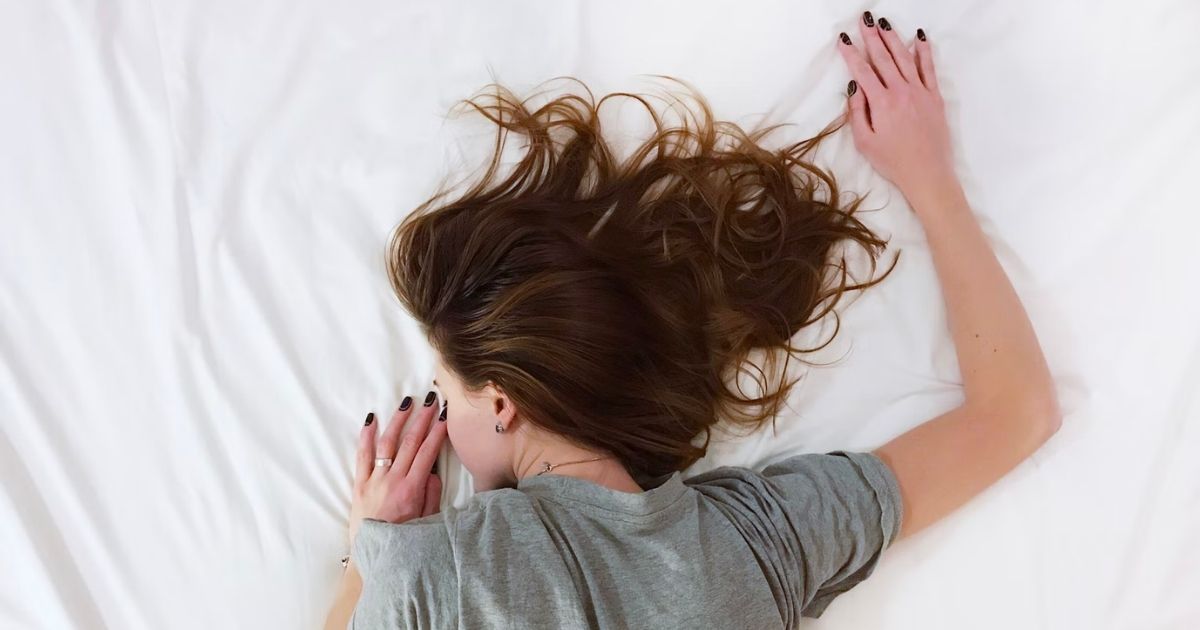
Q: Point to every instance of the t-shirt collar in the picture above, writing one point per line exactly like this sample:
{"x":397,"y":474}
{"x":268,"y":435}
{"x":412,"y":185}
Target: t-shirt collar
{"x":565,"y":487}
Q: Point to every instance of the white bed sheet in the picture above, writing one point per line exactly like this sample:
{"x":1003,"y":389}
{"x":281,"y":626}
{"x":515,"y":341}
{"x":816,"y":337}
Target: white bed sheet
{"x":194,"y":316}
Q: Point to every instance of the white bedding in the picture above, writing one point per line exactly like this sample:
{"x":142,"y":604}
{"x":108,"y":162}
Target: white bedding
{"x":194,"y":316}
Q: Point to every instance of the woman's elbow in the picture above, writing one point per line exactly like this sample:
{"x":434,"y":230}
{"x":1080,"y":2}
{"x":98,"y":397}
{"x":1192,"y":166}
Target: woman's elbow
{"x":1048,"y":418}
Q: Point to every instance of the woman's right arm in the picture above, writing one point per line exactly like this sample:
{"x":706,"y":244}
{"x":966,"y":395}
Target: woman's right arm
{"x":1010,"y":406}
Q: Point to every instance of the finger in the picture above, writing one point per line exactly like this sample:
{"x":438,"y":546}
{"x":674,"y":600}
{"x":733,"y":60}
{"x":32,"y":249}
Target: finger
{"x":365,"y":460}
{"x":423,"y":457}
{"x":391,"y":436}
{"x":879,"y":56}
{"x":433,"y":496}
{"x":860,"y":68}
{"x":900,"y":56}
{"x":925,"y":61}
{"x":413,"y":437}
{"x":860,"y":124}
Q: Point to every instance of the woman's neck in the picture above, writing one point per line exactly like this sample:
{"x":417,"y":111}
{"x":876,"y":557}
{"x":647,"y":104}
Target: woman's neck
{"x":607,"y":472}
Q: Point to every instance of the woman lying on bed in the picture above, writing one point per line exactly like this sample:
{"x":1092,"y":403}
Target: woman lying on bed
{"x":586,"y":312}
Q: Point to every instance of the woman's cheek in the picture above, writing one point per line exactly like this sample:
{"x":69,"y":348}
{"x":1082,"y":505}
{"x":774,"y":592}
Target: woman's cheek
{"x":461,"y":442}
{"x":479,"y":448}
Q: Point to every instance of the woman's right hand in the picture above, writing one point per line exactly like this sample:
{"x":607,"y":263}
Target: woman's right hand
{"x":896,"y":111}
{"x":407,"y":488}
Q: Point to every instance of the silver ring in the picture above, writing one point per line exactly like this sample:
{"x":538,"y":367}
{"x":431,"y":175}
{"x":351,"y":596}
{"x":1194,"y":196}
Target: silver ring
{"x":383,"y":461}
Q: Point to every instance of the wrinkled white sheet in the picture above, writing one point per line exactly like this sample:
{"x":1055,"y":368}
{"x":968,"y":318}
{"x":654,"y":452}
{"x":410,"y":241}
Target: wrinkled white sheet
{"x":194,"y":316}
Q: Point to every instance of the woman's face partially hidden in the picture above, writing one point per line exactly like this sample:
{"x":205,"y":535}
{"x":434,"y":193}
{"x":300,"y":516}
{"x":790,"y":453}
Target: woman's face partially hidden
{"x":471,"y":427}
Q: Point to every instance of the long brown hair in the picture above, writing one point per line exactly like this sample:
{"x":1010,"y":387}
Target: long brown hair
{"x":609,"y":298}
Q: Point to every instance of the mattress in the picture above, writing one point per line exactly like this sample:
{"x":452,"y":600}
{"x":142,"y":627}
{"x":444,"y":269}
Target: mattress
{"x":195,"y":316}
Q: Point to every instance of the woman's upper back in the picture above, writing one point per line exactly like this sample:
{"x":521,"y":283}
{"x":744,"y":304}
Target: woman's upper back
{"x":727,"y":548}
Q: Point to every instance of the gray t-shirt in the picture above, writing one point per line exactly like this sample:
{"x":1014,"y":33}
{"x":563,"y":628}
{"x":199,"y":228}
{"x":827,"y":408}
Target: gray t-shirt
{"x":727,"y":548}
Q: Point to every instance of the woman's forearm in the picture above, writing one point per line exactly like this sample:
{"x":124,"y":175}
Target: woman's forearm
{"x":347,"y":598}
{"x":998,"y":352}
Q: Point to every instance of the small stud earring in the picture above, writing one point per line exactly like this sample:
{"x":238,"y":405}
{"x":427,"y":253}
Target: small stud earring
{"x":499,"y":429}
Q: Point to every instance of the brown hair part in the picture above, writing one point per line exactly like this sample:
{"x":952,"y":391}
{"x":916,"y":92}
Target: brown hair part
{"x":609,"y":298}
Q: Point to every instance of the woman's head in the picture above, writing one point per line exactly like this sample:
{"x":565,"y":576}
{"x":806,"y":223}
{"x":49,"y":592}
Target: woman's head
{"x":606,"y":301}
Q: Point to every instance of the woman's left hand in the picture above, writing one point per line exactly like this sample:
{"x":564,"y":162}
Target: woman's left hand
{"x":406,"y":489}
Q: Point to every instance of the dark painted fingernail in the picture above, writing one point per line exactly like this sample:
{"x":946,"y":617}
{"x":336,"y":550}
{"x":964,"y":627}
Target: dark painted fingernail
{"x":851,"y":88}
{"x":406,"y":403}
{"x":442,"y":416}
{"x":867,"y":19}
{"x":884,"y":24}
{"x":370,"y":419}
{"x":430,"y":397}
{"x":845,"y":39}
{"x":921,"y":34}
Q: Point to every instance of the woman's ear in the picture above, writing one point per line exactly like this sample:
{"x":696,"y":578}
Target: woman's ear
{"x":502,"y":405}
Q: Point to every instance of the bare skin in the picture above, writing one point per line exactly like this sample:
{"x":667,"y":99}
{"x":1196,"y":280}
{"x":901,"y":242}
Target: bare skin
{"x":898,"y":120}
{"x":501,"y":459}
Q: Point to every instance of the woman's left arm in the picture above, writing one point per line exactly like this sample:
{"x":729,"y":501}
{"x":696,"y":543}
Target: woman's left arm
{"x":347,"y":598}
{"x":400,"y":492}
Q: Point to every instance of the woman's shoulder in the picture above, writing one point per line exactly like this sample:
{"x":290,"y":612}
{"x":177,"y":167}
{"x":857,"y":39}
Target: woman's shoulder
{"x":447,"y":523}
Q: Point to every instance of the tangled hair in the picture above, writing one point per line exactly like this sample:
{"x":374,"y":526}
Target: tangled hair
{"x":608,"y":298}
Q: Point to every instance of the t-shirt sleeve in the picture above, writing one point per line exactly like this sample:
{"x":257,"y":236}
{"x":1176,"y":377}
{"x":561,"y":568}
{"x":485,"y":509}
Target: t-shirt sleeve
{"x":409,"y":576}
{"x":817,"y":522}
